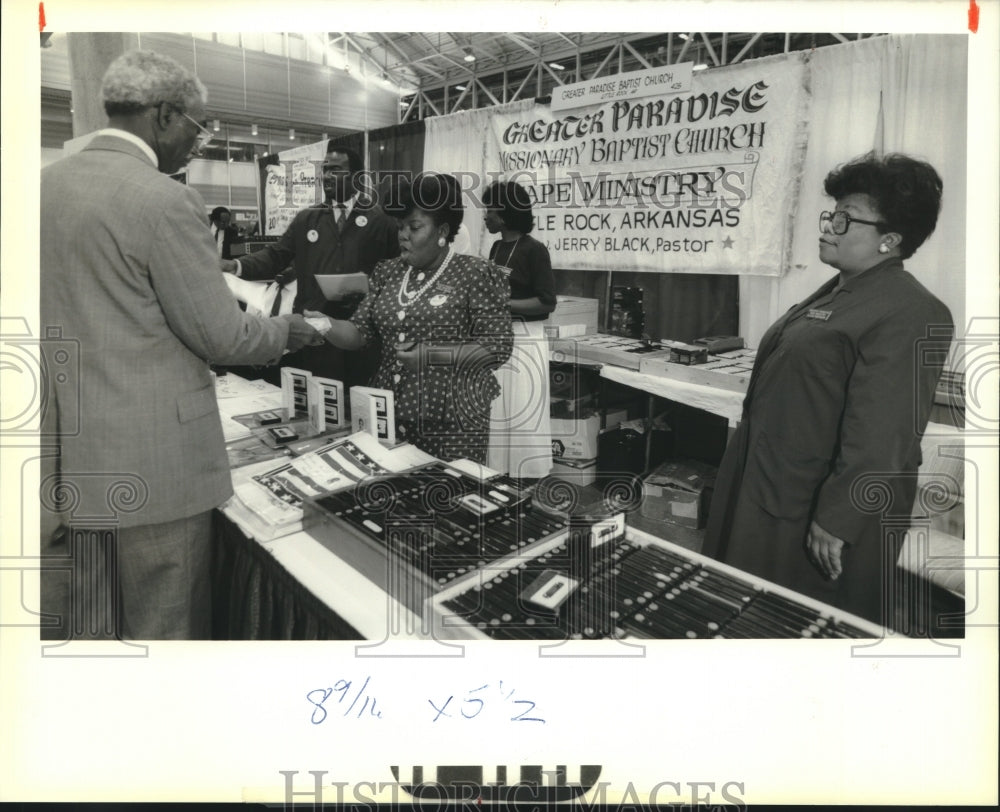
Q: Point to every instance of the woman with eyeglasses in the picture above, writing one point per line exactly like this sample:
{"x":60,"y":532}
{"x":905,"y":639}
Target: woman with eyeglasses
{"x":828,"y":446}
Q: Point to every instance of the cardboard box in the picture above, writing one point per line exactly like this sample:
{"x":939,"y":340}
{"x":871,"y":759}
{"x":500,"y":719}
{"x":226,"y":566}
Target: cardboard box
{"x":575,"y":438}
{"x":578,"y":472}
{"x":565,"y":330}
{"x":679,"y":491}
{"x":574,"y":310}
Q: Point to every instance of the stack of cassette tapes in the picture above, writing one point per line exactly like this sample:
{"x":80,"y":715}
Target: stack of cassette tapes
{"x":414,"y":533}
{"x":607,"y":349}
{"x":630,"y":586}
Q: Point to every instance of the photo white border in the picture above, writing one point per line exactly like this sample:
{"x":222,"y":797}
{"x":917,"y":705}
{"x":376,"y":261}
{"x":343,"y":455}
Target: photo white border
{"x":787,"y":722}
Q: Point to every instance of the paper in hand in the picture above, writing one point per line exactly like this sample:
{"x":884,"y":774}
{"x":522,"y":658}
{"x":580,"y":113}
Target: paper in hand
{"x":319,"y":323}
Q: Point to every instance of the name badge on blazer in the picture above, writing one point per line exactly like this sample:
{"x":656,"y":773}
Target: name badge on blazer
{"x":821,"y":315}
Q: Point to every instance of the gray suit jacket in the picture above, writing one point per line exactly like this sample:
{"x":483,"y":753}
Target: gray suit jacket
{"x":130,"y":282}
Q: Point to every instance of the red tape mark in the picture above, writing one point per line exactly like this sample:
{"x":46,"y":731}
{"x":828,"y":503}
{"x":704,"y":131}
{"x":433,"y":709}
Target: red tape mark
{"x":41,"y":17}
{"x":973,"y":16}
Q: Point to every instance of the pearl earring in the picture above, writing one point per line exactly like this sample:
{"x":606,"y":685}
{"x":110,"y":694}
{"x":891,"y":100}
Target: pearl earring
{"x":442,"y":242}
{"x":883,"y":249}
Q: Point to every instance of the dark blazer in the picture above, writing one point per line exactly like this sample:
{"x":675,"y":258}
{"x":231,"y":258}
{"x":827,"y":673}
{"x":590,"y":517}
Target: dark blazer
{"x":229,"y":235}
{"x":130,"y":276}
{"x":839,"y":397}
{"x":315,"y":246}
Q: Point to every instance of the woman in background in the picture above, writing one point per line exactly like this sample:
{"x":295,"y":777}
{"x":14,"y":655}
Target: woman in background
{"x":520,"y":430}
{"x":444,"y":324}
{"x":840,"y":394}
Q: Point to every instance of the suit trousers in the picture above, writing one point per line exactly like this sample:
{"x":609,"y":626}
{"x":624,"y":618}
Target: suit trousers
{"x":150,"y":582}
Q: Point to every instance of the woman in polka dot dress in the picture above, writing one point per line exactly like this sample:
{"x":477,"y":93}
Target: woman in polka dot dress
{"x":444,"y":322}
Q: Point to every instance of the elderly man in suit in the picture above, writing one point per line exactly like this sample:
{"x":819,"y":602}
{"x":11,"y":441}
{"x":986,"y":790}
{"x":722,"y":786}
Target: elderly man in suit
{"x":348,"y":234}
{"x":129,"y":273}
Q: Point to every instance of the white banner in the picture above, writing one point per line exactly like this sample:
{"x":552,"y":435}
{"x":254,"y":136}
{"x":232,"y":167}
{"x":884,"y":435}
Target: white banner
{"x":635,"y":84}
{"x":290,"y":185}
{"x":698,"y":182}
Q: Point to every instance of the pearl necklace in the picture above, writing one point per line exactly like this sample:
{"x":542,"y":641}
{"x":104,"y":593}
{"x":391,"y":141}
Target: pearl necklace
{"x":406,"y":298}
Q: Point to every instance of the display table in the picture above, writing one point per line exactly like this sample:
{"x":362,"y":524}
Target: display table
{"x":254,"y":597}
{"x":722,"y":402}
{"x":296,"y":587}
{"x":293,"y":588}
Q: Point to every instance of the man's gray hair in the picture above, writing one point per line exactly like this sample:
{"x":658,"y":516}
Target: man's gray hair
{"x":140,"y":79}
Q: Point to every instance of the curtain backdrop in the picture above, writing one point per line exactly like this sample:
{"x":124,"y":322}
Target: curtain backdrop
{"x":919,"y":83}
{"x":399,"y":148}
{"x":457,"y":144}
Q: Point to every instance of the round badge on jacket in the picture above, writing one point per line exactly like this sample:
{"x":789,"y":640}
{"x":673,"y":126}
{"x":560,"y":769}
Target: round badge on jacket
{"x":312,"y":235}
{"x":361,"y":221}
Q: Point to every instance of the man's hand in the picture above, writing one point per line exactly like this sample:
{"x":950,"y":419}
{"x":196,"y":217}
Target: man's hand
{"x":300,"y":333}
{"x":824,"y":551}
{"x":228,"y":265}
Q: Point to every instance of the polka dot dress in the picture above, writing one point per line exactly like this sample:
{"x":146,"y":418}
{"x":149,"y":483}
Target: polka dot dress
{"x":443,"y":408}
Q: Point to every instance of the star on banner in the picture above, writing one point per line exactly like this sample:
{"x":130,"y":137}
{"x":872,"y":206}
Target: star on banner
{"x":727,"y":243}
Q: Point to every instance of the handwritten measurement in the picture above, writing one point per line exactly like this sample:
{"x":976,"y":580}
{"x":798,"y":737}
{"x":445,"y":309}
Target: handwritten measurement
{"x":359,"y":702}
{"x":478,"y":698}
{"x":319,"y":696}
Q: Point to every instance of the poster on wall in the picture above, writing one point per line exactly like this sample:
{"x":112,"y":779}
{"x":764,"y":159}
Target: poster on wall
{"x":699,"y":180}
{"x":289,"y":181}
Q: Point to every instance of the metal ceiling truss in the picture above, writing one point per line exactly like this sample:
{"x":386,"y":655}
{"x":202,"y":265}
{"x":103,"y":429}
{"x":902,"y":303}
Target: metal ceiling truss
{"x":441,"y":73}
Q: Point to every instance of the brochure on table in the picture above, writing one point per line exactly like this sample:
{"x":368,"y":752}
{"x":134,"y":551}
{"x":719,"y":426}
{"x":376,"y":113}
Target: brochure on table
{"x":267,"y":501}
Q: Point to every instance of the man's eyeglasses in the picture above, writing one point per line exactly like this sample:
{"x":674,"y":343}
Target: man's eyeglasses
{"x":204,"y":135}
{"x":840,"y":221}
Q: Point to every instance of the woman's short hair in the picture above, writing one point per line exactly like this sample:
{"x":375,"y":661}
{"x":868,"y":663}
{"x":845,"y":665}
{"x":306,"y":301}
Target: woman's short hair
{"x":435,"y":194}
{"x":513,"y":202}
{"x":140,"y":79}
{"x":905,"y":192}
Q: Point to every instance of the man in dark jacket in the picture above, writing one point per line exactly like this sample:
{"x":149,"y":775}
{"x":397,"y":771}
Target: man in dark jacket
{"x":349,"y":234}
{"x":224,"y":233}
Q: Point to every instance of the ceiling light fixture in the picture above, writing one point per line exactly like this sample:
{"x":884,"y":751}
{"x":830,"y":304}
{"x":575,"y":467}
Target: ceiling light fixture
{"x":291,"y":135}
{"x":215,"y":125}
{"x":253,"y":129}
{"x":684,"y":37}
{"x":556,"y":66}
{"x":701,"y":66}
{"x":459,"y":87}
{"x":469,"y":56}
